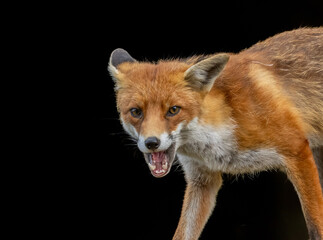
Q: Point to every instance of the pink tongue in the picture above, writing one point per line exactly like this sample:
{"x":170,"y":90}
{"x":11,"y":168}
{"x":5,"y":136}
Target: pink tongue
{"x":158,"y":156}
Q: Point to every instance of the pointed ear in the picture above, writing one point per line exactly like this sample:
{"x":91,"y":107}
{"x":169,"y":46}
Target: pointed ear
{"x":202,"y":75}
{"x":117,"y":57}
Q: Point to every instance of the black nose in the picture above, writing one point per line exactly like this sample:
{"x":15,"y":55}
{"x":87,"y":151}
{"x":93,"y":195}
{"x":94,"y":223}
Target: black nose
{"x":152,"y":143}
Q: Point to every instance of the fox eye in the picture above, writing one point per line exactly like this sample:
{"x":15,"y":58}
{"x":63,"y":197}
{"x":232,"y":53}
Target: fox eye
{"x":136,"y":112}
{"x":172,"y":111}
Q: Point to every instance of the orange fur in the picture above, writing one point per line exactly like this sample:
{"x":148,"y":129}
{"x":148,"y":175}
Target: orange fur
{"x":302,"y":172}
{"x":163,"y":78}
{"x":260,"y":107}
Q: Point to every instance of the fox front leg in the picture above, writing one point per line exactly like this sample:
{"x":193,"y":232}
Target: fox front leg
{"x":199,"y":201}
{"x":303,"y":173}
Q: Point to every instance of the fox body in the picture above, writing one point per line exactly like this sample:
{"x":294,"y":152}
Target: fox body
{"x":257,"y":110}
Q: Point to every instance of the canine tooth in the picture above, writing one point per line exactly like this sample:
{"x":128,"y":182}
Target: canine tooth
{"x":152,"y":167}
{"x":165,"y":165}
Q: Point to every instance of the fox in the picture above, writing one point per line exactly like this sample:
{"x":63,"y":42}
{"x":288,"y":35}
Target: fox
{"x":229,"y":113}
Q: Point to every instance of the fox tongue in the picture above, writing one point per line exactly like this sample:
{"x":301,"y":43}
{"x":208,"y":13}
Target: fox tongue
{"x":158,"y":157}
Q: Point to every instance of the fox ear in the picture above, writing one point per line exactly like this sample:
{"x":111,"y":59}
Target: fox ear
{"x":202,"y":75}
{"x":117,"y":57}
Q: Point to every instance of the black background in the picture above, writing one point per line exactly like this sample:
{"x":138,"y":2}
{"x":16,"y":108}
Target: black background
{"x":108,"y":191}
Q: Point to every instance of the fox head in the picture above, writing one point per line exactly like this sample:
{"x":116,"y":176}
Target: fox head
{"x":156,"y":101}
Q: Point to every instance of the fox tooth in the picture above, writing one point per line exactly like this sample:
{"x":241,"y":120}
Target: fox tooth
{"x":165,"y":165}
{"x":152,"y":167}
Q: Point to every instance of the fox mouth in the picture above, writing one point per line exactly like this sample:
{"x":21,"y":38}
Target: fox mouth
{"x":160,"y":162}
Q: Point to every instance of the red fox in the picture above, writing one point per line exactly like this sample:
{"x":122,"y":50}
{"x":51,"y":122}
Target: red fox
{"x":257,"y":110}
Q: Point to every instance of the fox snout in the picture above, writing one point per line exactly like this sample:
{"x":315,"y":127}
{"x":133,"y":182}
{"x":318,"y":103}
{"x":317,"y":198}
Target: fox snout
{"x":159,"y":149}
{"x":159,"y":153}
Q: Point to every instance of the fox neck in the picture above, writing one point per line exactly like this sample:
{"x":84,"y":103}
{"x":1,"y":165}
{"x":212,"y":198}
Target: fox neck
{"x":215,"y":148}
{"x":212,"y":132}
{"x":201,"y":137}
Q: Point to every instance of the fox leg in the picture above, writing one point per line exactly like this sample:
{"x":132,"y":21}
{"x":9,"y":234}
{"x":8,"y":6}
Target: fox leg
{"x":199,"y":201}
{"x":303,"y":173}
{"x":318,"y":156}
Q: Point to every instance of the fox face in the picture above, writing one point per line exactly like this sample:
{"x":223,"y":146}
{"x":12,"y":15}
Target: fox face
{"x":156,"y":102}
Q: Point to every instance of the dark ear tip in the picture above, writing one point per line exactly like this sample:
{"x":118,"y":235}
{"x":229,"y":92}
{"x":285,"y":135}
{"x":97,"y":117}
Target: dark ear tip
{"x":224,"y":57}
{"x":119,"y":56}
{"x":119,"y":51}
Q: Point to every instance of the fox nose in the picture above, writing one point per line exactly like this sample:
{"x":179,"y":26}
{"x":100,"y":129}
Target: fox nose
{"x":152,"y":143}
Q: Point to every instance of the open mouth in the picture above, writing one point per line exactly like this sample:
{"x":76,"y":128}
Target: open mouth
{"x":160,"y":162}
